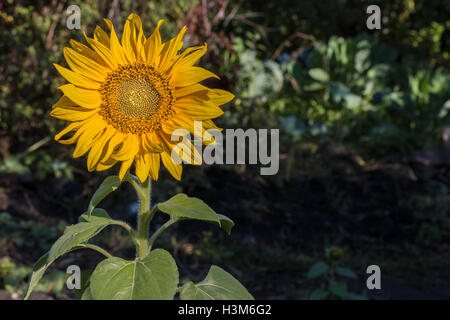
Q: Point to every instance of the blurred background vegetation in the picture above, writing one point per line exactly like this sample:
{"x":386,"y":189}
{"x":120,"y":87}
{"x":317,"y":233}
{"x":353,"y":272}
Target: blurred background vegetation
{"x":364,"y":154}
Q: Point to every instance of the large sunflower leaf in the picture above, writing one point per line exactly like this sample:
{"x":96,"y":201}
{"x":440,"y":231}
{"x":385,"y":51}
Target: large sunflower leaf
{"x":153,"y":278}
{"x":218,"y":285}
{"x":84,"y":290}
{"x":72,"y":237}
{"x":181,"y":206}
{"x":78,"y":233}
{"x":39,"y":269}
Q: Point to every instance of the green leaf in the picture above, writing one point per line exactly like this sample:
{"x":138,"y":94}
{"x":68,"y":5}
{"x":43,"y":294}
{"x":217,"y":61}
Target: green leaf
{"x":84,"y":291}
{"x":317,"y":270}
{"x":183,"y":207}
{"x":226,"y":223}
{"x":218,"y":285}
{"x":362,"y":61}
{"x":344,"y":272}
{"x":153,"y":278}
{"x":108,"y":185}
{"x":79,"y":233}
{"x":72,"y":236}
{"x":319,"y":294}
{"x":86,"y":294}
{"x":319,"y":75}
{"x":38,"y":271}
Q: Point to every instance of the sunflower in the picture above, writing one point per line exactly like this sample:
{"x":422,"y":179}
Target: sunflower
{"x":124,"y":99}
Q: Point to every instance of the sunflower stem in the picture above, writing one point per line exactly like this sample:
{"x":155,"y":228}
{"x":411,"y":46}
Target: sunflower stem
{"x":143,"y":222}
{"x":159,"y":231}
{"x":94,"y":247}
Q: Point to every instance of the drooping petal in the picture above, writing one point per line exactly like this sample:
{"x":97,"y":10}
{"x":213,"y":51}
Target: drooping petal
{"x":154,"y":165}
{"x":174,"y":169}
{"x":106,"y":164}
{"x":142,"y":165}
{"x":151,"y":144}
{"x":89,"y":133}
{"x":129,"y":148}
{"x":98,"y":148}
{"x":113,"y":143}
{"x":124,"y":168}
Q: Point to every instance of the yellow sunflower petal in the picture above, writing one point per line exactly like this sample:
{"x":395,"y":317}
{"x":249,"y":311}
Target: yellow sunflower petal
{"x":64,"y":101}
{"x":71,"y":127}
{"x":76,"y":78}
{"x":174,"y":169}
{"x":190,"y":76}
{"x":170,"y":49}
{"x":199,"y":110}
{"x":106,"y":165}
{"x":129,"y":148}
{"x":89,"y":133}
{"x":129,"y":39}
{"x":114,"y":142}
{"x":209,"y":124}
{"x":115,"y":46}
{"x":84,"y":66}
{"x":98,"y":147}
{"x":72,"y":113}
{"x":190,"y":90}
{"x":153,"y":46}
{"x":85,"y":51}
{"x":101,"y":36}
{"x":219,"y":96}
{"x":103,"y":51}
{"x":124,"y":168}
{"x":154,"y":165}
{"x":90,"y":99}
{"x":187,"y":123}
{"x":178,"y":147}
{"x":188,"y":58}
{"x":211,"y":96}
{"x":142,"y":166}
{"x":151,"y":144}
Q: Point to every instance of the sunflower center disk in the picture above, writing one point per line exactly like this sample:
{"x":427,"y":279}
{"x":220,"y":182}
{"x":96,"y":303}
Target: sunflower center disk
{"x":137,"y":98}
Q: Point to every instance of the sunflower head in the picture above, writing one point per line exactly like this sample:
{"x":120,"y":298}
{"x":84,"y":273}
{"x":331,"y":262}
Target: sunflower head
{"x":125,"y":98}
